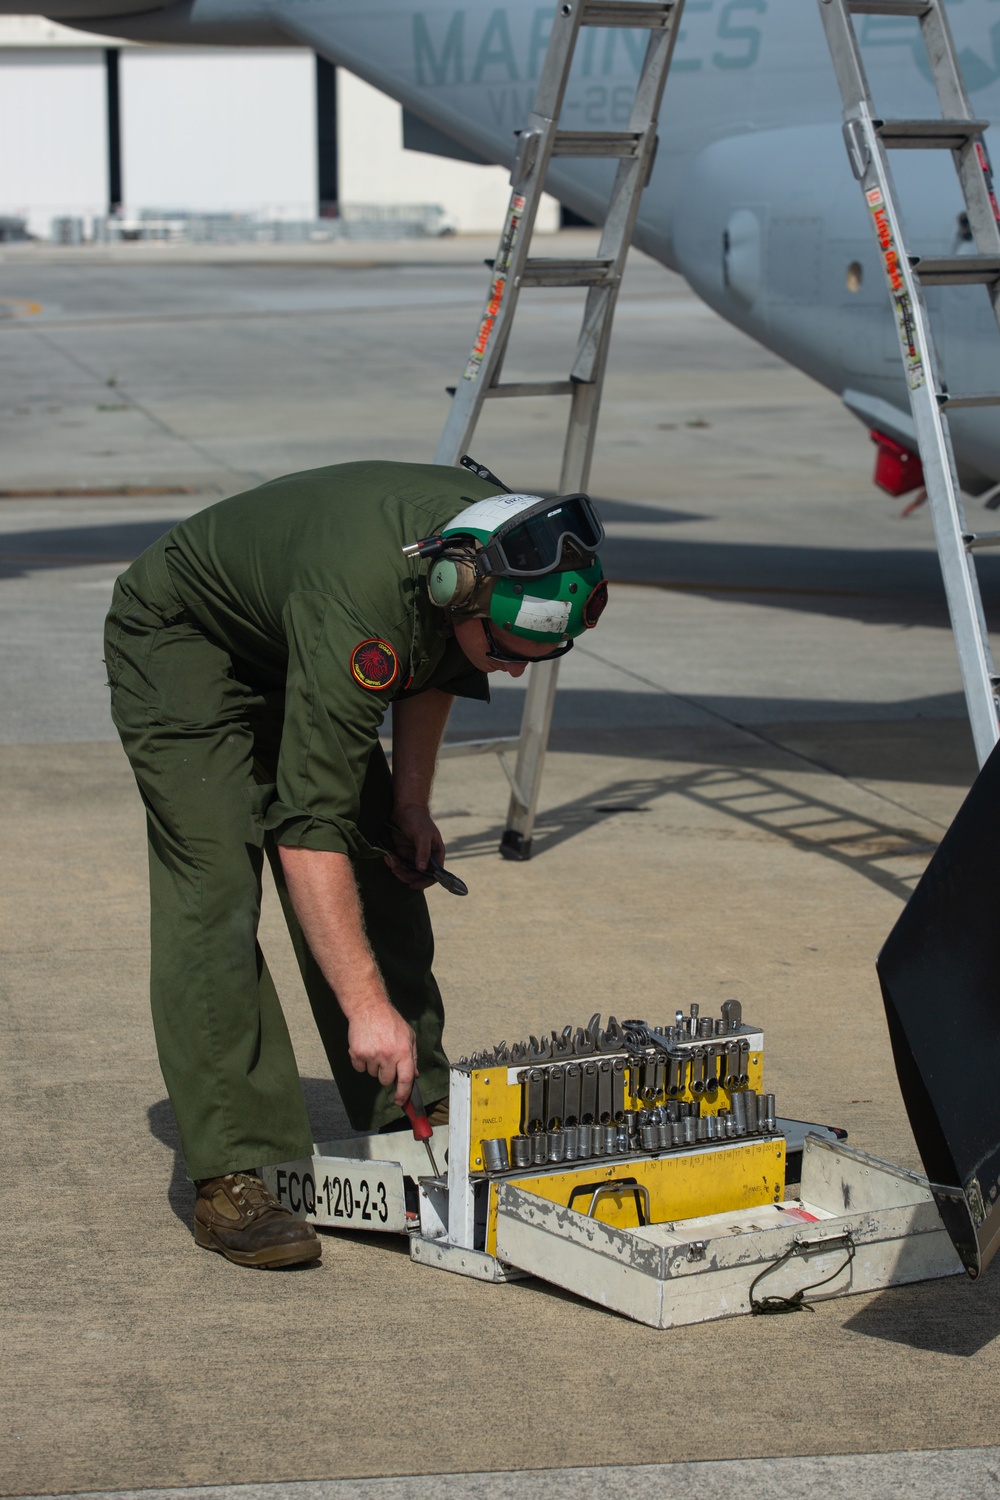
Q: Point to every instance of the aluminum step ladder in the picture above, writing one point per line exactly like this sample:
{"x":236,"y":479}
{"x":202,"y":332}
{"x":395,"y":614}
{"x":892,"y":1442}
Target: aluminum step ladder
{"x":869,"y":138}
{"x":513,"y":270}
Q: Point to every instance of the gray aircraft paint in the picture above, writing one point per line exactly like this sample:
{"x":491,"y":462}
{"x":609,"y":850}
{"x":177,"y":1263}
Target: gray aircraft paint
{"x":752,"y":198}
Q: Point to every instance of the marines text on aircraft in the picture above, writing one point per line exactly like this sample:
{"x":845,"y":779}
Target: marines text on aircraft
{"x":752,"y":197}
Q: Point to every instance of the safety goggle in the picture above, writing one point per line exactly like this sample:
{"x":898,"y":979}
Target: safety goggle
{"x":560,"y":533}
{"x":498,"y":654}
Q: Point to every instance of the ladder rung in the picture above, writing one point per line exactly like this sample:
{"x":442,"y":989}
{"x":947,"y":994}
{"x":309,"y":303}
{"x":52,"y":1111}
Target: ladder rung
{"x":950,"y":403}
{"x":533,"y":388}
{"x":974,"y":540}
{"x":651,"y":15}
{"x":597,"y":143}
{"x":889,"y":7}
{"x":928,"y":135}
{"x":567,"y":272}
{"x":956,"y":270}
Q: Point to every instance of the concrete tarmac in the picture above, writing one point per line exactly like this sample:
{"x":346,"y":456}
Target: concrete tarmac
{"x":753,"y":757}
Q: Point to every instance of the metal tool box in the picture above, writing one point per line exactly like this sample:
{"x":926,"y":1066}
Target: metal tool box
{"x":716,"y":1266}
{"x":641,"y":1168}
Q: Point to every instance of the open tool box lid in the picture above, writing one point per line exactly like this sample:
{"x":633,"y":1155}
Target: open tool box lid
{"x":859,"y":1224}
{"x":940,"y":976}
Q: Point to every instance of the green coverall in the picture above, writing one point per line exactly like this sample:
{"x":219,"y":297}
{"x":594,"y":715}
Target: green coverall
{"x":244,"y":686}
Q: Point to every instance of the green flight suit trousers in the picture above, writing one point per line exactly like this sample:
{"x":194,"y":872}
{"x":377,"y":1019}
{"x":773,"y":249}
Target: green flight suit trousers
{"x":203,"y":746}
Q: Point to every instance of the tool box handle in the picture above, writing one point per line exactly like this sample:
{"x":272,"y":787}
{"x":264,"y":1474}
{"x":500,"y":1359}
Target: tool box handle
{"x":599,"y":1190}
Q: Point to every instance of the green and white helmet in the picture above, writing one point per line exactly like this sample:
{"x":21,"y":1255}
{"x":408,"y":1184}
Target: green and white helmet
{"x":535,"y":571}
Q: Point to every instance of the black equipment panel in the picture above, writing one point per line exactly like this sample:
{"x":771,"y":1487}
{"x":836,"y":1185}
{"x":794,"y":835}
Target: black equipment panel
{"x":940,"y":977}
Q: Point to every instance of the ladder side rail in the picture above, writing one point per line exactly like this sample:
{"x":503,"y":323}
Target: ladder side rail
{"x":552,"y":80}
{"x":975,"y":178}
{"x":845,"y":53}
{"x":972,"y":162}
{"x":588,"y":371}
{"x":631,"y":175}
{"x":934,"y":442}
{"x":527,"y":177}
{"x":536,"y":725}
{"x":630,"y":178}
{"x":936,"y":34}
{"x":496,"y":352}
{"x":961,"y":583}
{"x":578,"y":450}
{"x":958,"y":571}
{"x":486,"y":358}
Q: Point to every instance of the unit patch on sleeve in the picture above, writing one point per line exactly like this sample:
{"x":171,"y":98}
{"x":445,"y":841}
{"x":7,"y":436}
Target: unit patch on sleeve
{"x":375,"y":664}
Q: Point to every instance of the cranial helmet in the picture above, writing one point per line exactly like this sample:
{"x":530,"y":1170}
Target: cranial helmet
{"x":528,"y":564}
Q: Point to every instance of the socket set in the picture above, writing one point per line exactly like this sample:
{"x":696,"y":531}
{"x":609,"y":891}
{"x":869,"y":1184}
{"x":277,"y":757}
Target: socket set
{"x":667,"y":1127}
{"x":623,"y":1089}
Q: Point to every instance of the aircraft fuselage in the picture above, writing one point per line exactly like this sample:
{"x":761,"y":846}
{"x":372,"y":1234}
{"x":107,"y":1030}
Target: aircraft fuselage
{"x":752,"y":198}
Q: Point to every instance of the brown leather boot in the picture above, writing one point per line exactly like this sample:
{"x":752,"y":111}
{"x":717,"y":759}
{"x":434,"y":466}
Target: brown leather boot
{"x":238,"y":1216}
{"x":438,"y":1113}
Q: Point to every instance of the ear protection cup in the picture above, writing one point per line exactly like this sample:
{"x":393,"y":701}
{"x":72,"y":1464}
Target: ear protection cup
{"x":452,"y":580}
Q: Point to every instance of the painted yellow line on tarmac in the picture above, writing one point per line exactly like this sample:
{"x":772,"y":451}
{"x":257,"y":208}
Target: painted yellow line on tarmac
{"x":18,"y":307}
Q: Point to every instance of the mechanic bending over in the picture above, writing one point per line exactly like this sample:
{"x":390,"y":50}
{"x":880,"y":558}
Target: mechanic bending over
{"x":252,"y":653}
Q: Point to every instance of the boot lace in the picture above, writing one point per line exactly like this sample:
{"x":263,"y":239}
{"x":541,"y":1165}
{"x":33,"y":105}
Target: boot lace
{"x":252,"y":1195}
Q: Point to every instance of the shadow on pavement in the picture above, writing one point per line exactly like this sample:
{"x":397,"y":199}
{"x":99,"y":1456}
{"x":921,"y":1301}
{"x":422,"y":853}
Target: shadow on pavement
{"x":955,"y":1317}
{"x":923,"y":740}
{"x":763,"y":801}
{"x":326,"y":1115}
{"x":78,"y":546}
{"x":163,"y":1125}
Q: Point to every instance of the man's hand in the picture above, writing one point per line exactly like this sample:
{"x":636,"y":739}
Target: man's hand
{"x":381,"y":1043}
{"x":418,"y":839}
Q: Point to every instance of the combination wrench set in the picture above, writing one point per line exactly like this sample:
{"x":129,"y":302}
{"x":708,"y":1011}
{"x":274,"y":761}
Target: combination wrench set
{"x":615,"y":1037}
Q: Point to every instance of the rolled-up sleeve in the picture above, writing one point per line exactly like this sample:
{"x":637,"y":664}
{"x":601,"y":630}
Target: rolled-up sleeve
{"x":330,"y":728}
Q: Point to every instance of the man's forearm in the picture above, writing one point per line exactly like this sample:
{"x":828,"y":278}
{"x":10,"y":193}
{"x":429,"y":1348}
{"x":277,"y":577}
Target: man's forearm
{"x":325,"y":897}
{"x":417,"y":729}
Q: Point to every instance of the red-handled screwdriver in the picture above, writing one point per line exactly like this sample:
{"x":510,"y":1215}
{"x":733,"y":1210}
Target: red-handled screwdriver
{"x":422,"y":1127}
